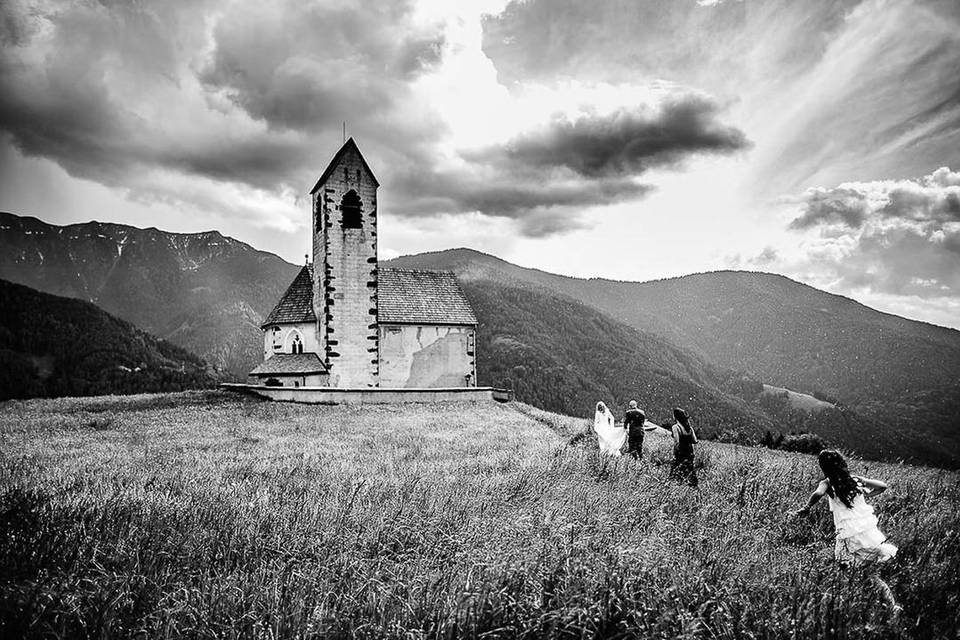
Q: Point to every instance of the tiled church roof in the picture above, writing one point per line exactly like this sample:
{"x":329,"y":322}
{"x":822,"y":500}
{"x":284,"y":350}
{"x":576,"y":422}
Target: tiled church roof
{"x":290,"y":363}
{"x":405,"y":296}
{"x":413,"y":296}
{"x":296,"y":304}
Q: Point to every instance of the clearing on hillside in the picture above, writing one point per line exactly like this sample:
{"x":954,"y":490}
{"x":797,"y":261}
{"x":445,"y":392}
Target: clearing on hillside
{"x":801,"y":401}
{"x":211,"y":515}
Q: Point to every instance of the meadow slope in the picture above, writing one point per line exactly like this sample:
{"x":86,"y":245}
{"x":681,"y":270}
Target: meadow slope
{"x":210,"y":515}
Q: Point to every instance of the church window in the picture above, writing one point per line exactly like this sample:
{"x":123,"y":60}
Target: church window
{"x":277,"y":340}
{"x":351,"y":208}
{"x":296,"y":346}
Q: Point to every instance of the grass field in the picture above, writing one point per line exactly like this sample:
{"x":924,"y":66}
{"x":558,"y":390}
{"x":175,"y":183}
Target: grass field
{"x":207,"y":515}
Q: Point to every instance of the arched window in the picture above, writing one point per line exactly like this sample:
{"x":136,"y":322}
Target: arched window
{"x":350,"y":208}
{"x":296,"y":346}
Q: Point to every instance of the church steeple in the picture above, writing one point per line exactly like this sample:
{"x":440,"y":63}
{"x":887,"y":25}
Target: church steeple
{"x":349,"y":147}
{"x":345,"y":268}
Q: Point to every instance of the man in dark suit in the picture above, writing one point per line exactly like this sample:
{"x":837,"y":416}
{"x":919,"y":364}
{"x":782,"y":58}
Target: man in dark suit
{"x":633,"y":422}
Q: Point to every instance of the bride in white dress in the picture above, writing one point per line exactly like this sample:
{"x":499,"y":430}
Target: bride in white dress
{"x":610,"y":437}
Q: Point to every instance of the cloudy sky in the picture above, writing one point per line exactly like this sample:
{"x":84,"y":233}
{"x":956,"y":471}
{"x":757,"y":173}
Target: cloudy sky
{"x":630,"y":139}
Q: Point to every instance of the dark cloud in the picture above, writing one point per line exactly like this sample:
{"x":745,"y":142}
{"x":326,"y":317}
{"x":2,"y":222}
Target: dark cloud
{"x":546,"y":178}
{"x":107,"y":99}
{"x":765,"y":258}
{"x":923,"y":204}
{"x":112,"y":90}
{"x":625,"y":142}
{"x":307,"y":66}
{"x":932,"y":201}
{"x":541,"y":206}
{"x":827,"y":206}
{"x":499,"y":195}
{"x":900,"y":237}
{"x":803,"y":74}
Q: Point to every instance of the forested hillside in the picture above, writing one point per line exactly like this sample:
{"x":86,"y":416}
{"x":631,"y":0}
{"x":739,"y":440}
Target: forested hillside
{"x":562,"y":355}
{"x":55,"y":346}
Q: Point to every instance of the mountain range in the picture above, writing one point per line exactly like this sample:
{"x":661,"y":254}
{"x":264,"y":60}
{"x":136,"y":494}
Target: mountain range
{"x":202,"y":291}
{"x":708,"y":342}
{"x":899,"y":372}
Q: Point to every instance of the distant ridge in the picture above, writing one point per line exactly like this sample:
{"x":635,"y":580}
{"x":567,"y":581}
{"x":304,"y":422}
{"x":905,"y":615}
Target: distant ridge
{"x":203,"y":291}
{"x":902,"y":375}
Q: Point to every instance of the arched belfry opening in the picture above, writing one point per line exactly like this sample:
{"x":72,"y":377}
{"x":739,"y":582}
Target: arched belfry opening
{"x":351,"y":209}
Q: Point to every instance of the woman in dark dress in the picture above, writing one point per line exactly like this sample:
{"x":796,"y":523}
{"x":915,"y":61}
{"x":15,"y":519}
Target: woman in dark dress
{"x":684,"y":438}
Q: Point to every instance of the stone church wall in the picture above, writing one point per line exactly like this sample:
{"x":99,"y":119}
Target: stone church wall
{"x":422,"y":356}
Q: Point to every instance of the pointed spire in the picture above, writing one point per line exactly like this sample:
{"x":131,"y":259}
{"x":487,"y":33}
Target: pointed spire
{"x":347,"y":146}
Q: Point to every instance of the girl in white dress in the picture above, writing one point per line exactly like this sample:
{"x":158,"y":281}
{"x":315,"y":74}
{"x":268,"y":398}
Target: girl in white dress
{"x":859,"y":542}
{"x":609,"y":436}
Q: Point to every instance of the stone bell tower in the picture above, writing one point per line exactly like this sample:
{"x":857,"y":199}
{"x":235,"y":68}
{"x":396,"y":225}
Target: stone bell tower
{"x":345,"y":269}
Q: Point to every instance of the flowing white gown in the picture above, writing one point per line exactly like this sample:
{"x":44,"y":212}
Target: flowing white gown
{"x":858,"y":539}
{"x":609,"y":436}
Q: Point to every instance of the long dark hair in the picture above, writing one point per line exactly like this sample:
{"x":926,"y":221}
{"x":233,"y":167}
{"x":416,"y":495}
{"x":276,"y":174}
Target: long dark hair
{"x":681,"y":416}
{"x":842,"y":485}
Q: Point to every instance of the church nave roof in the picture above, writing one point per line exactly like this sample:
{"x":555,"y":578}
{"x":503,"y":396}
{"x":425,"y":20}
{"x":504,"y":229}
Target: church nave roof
{"x":415,"y":296}
{"x":296,"y":304}
{"x":404,"y":296}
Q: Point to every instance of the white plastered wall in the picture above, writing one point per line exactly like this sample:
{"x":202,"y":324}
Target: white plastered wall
{"x":422,"y":356}
{"x":279,"y":338}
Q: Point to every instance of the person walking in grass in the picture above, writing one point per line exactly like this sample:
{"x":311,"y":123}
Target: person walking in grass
{"x":684,"y":438}
{"x":633,"y":421}
{"x":859,"y":542}
{"x":610,"y":437}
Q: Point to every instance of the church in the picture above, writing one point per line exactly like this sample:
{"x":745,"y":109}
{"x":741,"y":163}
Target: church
{"x":346,"y":323}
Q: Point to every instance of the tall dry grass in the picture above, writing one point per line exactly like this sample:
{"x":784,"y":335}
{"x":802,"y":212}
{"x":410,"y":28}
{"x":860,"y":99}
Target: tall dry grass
{"x":207,"y":515}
